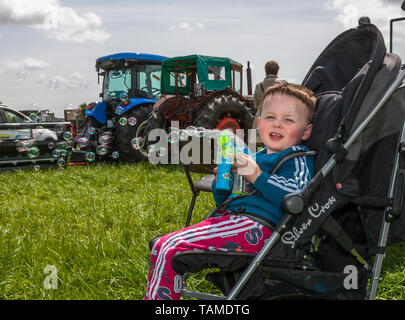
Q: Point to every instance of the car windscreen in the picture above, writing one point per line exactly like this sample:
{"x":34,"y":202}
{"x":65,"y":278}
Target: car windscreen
{"x":13,"y":117}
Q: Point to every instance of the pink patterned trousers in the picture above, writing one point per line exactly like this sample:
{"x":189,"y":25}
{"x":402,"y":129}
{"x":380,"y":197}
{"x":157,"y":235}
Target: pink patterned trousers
{"x":228,"y":233}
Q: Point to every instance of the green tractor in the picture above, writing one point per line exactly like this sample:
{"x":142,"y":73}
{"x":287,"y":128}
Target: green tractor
{"x":203,"y":92}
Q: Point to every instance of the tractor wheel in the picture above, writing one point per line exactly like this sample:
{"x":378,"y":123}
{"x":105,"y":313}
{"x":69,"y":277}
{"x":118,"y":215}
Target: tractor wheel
{"x":225,"y":112}
{"x":126,"y":131}
{"x":155,"y":121}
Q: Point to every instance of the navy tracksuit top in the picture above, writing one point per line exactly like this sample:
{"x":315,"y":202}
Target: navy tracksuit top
{"x":291,"y":177}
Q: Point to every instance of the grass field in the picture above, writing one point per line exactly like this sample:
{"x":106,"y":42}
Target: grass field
{"x":94,"y":223}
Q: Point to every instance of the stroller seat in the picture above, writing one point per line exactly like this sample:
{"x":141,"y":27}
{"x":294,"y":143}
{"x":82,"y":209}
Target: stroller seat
{"x":205,"y":183}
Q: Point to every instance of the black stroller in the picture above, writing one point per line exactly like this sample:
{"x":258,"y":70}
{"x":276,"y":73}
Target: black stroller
{"x":334,"y":233}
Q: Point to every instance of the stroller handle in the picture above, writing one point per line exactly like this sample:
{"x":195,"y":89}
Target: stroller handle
{"x":295,"y":203}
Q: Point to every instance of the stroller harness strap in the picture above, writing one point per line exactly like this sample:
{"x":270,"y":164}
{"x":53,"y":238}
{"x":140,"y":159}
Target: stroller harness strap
{"x":291,"y":155}
{"x":288,"y":156}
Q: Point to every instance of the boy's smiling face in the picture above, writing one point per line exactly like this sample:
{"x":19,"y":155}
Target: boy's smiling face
{"x":283,"y":122}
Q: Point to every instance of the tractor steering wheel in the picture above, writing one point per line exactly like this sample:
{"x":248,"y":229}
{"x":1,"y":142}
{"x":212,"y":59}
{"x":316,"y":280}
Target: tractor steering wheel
{"x":154,"y":91}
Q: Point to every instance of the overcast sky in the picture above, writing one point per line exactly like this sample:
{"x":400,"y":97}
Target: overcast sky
{"x":49,"y":47}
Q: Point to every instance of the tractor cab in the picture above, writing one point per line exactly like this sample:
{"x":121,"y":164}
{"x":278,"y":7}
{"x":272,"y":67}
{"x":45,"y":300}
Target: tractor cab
{"x":129,"y":79}
{"x":133,"y":74}
{"x":203,"y":92}
{"x":130,"y":87}
{"x":197,"y":75}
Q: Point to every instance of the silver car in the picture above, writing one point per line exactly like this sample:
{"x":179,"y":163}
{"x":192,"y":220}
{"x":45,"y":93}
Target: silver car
{"x":9,"y":115}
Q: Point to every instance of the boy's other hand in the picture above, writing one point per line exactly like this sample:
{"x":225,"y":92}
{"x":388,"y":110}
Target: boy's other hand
{"x":245,"y":166}
{"x":215,"y":170}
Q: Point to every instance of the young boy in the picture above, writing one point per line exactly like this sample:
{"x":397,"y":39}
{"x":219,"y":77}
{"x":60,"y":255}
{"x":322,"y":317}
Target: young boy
{"x":246,"y":222}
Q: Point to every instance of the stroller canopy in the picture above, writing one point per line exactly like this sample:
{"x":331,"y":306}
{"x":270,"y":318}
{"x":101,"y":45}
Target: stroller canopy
{"x":349,"y":78}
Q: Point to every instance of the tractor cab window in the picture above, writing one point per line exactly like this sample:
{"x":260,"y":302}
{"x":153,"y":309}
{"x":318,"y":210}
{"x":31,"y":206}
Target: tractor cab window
{"x":148,"y":80}
{"x":237,"y":81}
{"x":216,"y":73}
{"x":116,"y":82}
{"x":178,"y":81}
{"x":181,"y":79}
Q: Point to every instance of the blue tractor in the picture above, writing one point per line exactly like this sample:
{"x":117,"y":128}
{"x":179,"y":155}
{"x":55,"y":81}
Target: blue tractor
{"x":131,"y":86}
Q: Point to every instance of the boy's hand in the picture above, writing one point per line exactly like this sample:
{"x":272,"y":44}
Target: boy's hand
{"x":245,"y":166}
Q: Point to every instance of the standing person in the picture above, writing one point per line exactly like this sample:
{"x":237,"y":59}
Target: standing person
{"x":271,"y":68}
{"x":285,"y":121}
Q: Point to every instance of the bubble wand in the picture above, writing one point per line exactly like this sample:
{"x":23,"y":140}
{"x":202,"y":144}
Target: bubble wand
{"x":229,"y":145}
{"x":225,"y":157}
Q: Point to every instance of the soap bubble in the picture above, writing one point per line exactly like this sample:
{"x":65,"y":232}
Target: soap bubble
{"x":173,"y":137}
{"x":56,"y":153}
{"x":67,"y":135}
{"x":123,"y":96}
{"x":22,"y":149}
{"x":101,"y":150}
{"x":200,"y":132}
{"x":115,"y":155}
{"x":91,"y":130}
{"x":53,"y":84}
{"x":214,"y":133}
{"x":33,"y":153}
{"x":183,"y":136}
{"x":105,"y":138}
{"x":90,"y":156}
{"x":137,"y":143}
{"x":119,"y":110}
{"x":25,"y":143}
{"x":21,"y":75}
{"x":151,"y":149}
{"x":161,"y":152}
{"x":83,"y":141}
{"x":157,"y":151}
{"x":35,"y":117}
{"x":83,"y":85}
{"x":63,"y":145}
{"x":132,"y":121}
{"x":123,"y":121}
{"x":191,"y":130}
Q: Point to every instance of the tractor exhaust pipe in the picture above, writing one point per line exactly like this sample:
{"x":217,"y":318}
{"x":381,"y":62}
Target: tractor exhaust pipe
{"x":249,"y":78}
